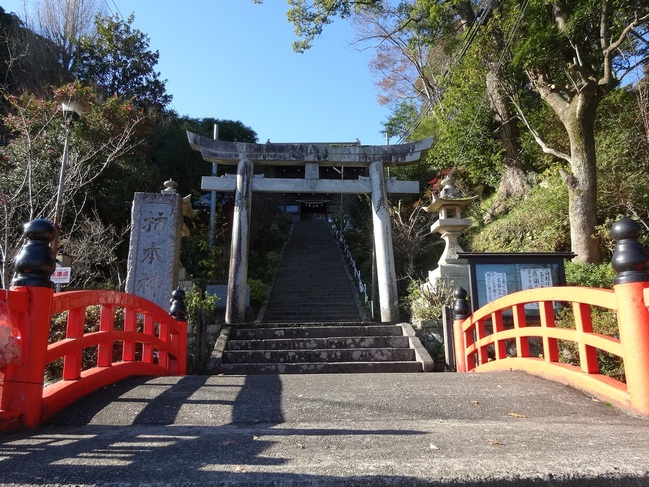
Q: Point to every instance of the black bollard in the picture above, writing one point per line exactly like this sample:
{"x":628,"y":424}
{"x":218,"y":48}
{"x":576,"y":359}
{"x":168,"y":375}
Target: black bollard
{"x":630,"y":259}
{"x":461,"y":308}
{"x":177,"y":309}
{"x":35,"y":263}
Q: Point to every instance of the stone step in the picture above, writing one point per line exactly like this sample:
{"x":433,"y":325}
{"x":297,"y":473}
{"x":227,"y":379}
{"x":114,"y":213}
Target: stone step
{"x":320,"y":343}
{"x":315,"y":324}
{"x":299,"y":285}
{"x":321,"y":368}
{"x":315,"y":317}
{"x":319,"y":355}
{"x":327,"y":305}
{"x":315,"y":332}
{"x":296,"y":319}
{"x":315,"y":313}
{"x":306,"y":315}
{"x":298,"y":289}
{"x":319,"y":348}
{"x":323,"y":303}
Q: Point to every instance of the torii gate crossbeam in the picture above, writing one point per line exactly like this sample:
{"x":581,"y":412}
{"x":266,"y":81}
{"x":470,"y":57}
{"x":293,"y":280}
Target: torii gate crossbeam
{"x":311,"y":156}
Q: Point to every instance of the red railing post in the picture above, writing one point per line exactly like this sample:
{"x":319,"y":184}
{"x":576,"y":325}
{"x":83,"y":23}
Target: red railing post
{"x":23,"y":383}
{"x":630,"y":263}
{"x":22,"y":388}
{"x":461,"y":312}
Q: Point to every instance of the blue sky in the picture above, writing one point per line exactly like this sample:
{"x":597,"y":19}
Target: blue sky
{"x":232,"y":59}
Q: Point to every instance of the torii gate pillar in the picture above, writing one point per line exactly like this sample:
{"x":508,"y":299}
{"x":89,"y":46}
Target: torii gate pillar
{"x":388,"y":297}
{"x":235,"y":308}
{"x":311,"y":156}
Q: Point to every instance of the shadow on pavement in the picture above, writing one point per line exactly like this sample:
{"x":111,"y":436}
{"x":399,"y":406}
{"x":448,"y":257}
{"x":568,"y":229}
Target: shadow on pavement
{"x":141,"y":431}
{"x":373,"y":430}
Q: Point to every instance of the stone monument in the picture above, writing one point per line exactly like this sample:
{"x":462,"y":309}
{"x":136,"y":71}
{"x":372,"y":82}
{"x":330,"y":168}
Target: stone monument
{"x":154,"y":250}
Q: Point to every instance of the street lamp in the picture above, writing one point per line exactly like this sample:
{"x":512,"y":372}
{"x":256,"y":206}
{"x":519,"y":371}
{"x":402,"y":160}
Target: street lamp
{"x":72,"y":111}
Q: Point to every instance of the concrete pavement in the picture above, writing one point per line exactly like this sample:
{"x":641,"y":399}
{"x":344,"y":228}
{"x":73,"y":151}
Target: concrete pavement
{"x":327,"y":430}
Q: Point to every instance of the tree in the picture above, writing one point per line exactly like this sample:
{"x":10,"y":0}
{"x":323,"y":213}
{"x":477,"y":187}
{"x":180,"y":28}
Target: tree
{"x":26,"y":61}
{"x":622,"y":157}
{"x":110,"y":131}
{"x":574,"y":54}
{"x":118,"y":62}
{"x":409,"y":69}
{"x":411,"y":238}
{"x":420,"y":48}
{"x":64,"y":23}
{"x":175,"y":159}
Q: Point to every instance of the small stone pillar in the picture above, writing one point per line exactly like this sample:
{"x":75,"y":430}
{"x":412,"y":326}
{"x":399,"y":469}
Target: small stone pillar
{"x":450,"y":225}
{"x":154,"y":250}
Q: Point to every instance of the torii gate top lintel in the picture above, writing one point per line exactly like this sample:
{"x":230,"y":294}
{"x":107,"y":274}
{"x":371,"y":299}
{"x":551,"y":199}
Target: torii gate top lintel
{"x":295,"y":154}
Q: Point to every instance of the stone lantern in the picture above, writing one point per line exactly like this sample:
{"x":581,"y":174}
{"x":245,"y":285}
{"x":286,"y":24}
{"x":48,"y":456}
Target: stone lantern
{"x":449,"y":204}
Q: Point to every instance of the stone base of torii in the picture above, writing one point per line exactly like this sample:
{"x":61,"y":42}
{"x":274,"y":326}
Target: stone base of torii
{"x":311,"y":156}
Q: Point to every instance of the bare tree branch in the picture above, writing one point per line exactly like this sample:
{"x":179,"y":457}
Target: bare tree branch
{"x":544,"y":147}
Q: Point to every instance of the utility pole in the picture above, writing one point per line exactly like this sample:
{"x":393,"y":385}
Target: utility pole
{"x":210,"y":241}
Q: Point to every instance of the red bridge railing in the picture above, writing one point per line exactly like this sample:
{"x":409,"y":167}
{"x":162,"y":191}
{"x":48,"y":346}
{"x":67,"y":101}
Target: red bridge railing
{"x":146,"y":340}
{"x":499,"y":336}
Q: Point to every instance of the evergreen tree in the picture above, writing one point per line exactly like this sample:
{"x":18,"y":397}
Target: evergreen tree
{"x":118,"y":62}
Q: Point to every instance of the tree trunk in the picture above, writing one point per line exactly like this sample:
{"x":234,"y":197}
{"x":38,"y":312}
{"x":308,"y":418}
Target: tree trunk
{"x":577,"y":114}
{"x":579,"y":121}
{"x":514,"y":181}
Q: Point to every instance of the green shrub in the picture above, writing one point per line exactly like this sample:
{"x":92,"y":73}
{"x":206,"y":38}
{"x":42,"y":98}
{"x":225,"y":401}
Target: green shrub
{"x":258,"y":290}
{"x":199,"y":306}
{"x":58,"y":329}
{"x":535,"y":224}
{"x":589,"y":275}
{"x":206,"y":264}
{"x":604,"y":322}
{"x":427,"y":301}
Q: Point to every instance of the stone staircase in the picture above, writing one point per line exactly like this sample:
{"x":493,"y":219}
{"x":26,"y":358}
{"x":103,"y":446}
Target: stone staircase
{"x":312,"y":322}
{"x":324,"y":348}
{"x":312,"y":283}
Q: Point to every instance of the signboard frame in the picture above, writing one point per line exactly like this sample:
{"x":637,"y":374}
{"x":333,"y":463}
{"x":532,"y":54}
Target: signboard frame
{"x":495,"y":274}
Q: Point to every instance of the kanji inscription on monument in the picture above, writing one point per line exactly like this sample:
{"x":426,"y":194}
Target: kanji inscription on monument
{"x":153,"y":257}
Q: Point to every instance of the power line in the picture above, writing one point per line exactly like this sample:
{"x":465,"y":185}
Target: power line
{"x":501,"y":62}
{"x":119,"y":13}
{"x":448,"y":73}
{"x":484,"y":13}
{"x":117,"y":8}
{"x":469,"y":37}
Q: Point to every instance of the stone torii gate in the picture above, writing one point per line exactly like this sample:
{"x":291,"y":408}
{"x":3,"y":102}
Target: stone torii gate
{"x":311,"y":157}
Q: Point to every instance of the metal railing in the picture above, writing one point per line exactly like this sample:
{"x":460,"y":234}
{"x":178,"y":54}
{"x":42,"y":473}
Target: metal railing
{"x":355,"y":272}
